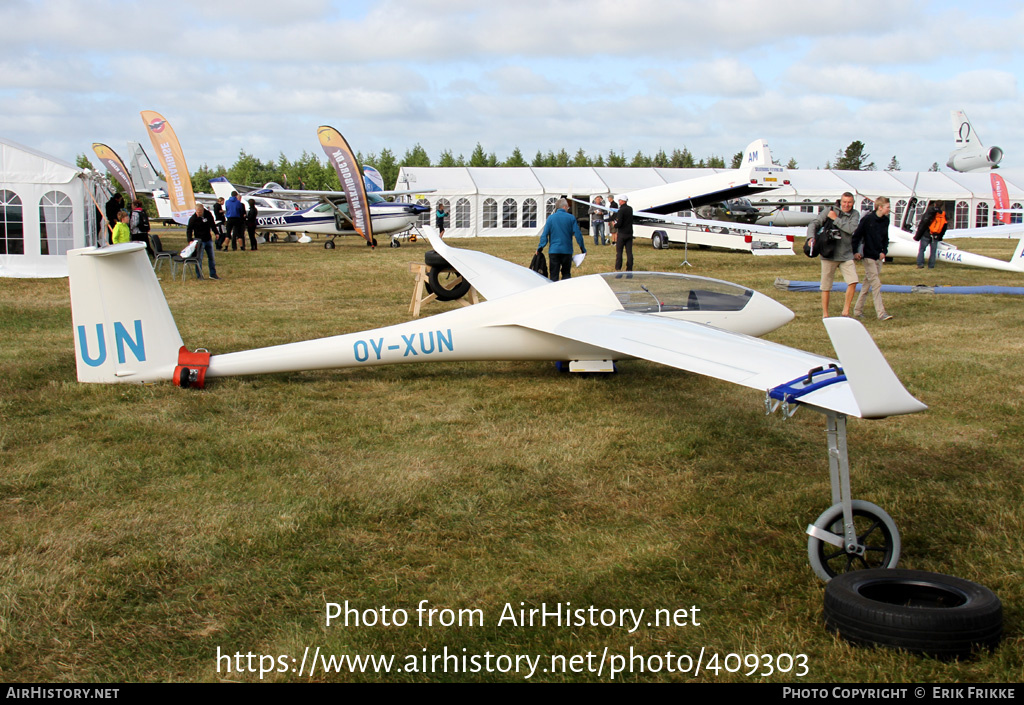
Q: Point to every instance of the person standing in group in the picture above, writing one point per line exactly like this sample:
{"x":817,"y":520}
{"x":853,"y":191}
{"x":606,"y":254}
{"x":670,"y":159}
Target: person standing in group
{"x":624,"y":234}
{"x":597,"y":213}
{"x":930,"y":231}
{"x":845,"y":220}
{"x":250,"y":223}
{"x":870,"y":245}
{"x":561,"y":227}
{"x":441,"y":214}
{"x":121,"y":232}
{"x":138,"y":224}
{"x":235,"y":212}
{"x":111,"y":209}
{"x":222,"y":226}
{"x":201,"y":227}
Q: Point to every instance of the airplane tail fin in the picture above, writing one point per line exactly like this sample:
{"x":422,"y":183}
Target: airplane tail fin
{"x":963,"y":131}
{"x":122,"y":326}
{"x":1018,"y":257}
{"x":757,"y":154}
{"x":222,"y":187}
{"x":876,"y":389}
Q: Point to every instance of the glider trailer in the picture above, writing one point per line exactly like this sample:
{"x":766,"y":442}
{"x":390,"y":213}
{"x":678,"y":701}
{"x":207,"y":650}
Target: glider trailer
{"x":124,"y":332}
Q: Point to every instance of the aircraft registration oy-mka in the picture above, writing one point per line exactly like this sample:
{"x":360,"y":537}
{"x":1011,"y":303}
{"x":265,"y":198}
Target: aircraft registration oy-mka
{"x":124,"y":332}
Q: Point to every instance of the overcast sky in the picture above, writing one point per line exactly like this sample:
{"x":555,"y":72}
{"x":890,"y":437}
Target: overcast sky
{"x":809,"y":76}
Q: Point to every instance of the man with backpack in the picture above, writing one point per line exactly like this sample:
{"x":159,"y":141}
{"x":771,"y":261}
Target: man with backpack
{"x":843,"y":223}
{"x":929,"y":232}
{"x":139,"y":226}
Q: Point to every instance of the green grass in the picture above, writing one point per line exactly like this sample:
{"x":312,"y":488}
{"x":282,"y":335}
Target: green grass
{"x":144,"y":527}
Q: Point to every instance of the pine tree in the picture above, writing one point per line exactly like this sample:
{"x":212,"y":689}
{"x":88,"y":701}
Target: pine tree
{"x":894,"y":164}
{"x":853,"y":158}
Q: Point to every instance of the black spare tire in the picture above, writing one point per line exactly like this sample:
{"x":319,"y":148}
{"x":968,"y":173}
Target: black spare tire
{"x":915,"y":610}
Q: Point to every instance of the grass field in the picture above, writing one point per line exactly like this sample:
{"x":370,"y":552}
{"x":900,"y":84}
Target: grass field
{"x":144,"y":528}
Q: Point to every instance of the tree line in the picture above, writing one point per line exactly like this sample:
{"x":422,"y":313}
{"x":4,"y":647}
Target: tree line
{"x":312,"y":172}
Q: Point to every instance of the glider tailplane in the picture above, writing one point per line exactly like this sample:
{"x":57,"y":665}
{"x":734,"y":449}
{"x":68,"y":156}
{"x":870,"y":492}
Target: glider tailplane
{"x":122,"y":326}
{"x":875,"y":387}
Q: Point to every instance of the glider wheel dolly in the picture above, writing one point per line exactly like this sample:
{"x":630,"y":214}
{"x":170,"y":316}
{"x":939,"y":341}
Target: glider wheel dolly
{"x":851,"y":534}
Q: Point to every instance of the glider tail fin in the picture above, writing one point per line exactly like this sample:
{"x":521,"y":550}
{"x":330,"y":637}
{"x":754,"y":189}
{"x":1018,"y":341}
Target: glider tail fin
{"x":1017,"y":261}
{"x":876,"y":389}
{"x":122,"y":326}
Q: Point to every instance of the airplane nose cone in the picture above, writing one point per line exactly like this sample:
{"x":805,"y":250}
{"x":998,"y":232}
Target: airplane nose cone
{"x":767,"y":314}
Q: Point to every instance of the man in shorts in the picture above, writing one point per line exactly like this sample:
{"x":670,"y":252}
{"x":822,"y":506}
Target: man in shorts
{"x":845,"y":221}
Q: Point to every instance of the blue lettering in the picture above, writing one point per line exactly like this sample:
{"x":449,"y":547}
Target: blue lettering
{"x":752,"y":157}
{"x":378,"y":345}
{"x":138,"y":345}
{"x":408,"y":345}
{"x":84,"y":348}
{"x":423,"y":346}
{"x":361,"y":351}
{"x":441,"y":341}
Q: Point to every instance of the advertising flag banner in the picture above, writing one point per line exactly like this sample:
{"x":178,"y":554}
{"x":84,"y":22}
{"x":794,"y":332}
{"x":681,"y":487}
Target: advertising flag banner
{"x":1000,"y":197}
{"x":168,"y":152}
{"x":115,"y":166}
{"x":343,"y":159}
{"x":374,"y":181}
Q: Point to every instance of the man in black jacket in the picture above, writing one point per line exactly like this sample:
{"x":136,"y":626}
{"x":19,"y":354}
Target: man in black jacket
{"x":201,"y":227}
{"x":871,"y":244}
{"x":624,"y":234}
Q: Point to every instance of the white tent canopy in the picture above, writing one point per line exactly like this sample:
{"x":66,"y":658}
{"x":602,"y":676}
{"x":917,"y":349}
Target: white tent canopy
{"x":46,"y":208}
{"x":499,"y":201}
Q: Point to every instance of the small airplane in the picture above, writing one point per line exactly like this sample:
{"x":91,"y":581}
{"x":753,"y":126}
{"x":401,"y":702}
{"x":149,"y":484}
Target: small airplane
{"x":329,"y":213}
{"x":654,"y":208}
{"x":970,"y":155}
{"x":124,"y":332}
{"x":902,"y":244}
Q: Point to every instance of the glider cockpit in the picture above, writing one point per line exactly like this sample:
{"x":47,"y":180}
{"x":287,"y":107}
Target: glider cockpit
{"x":659,"y":292}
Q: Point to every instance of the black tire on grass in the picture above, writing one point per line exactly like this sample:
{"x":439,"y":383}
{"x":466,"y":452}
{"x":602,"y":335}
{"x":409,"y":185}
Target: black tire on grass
{"x":915,"y":610}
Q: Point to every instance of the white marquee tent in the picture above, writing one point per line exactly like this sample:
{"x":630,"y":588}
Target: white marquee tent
{"x":498,"y":201}
{"x":46,"y":208}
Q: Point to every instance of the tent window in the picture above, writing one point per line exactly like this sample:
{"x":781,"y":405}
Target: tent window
{"x":1016,"y":217}
{"x":12,"y":235}
{"x":867,"y":205}
{"x":446,"y":204}
{"x":55,"y":213}
{"x":490,"y":213}
{"x":981,"y":216}
{"x":961,"y":215}
{"x":810,"y":209}
{"x":549,"y":207}
{"x":509,"y":211}
{"x":897,"y":212}
{"x":462,"y":213}
{"x":424,"y":218}
{"x":529,"y":213}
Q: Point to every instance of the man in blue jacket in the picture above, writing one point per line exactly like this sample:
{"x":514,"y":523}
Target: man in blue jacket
{"x":235,"y":212}
{"x":561,"y":227}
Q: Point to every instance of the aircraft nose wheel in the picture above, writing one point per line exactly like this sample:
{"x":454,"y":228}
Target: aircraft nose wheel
{"x":329,"y":245}
{"x":875,"y":542}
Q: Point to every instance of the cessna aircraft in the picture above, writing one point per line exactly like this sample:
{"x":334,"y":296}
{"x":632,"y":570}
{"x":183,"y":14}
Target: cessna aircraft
{"x":124,"y":332}
{"x":970,"y":155}
{"x":328,"y":215}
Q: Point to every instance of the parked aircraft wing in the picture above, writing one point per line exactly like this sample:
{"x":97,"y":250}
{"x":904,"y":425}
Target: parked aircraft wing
{"x":870,"y":388}
{"x":492,"y":276}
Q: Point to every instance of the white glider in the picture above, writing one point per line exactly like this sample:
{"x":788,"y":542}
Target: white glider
{"x":124,"y":332}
